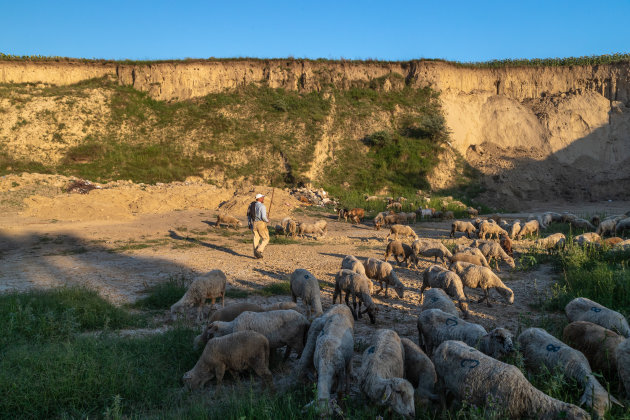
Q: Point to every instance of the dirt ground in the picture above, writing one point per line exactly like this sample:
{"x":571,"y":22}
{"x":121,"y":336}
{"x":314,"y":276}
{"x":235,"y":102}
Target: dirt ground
{"x":122,"y":257}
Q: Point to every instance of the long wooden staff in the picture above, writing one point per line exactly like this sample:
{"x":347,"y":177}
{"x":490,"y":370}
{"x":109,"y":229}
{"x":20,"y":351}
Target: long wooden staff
{"x":270,"y":203}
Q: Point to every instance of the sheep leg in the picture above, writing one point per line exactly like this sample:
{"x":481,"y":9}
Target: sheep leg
{"x":379,"y":290}
{"x":223,"y":299}
{"x":386,"y":288}
{"x":199,"y":312}
{"x":496,"y":262}
{"x":287,"y":352}
{"x":219,"y":371}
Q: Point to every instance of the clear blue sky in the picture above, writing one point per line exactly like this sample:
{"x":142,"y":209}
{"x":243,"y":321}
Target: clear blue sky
{"x":386,"y":30}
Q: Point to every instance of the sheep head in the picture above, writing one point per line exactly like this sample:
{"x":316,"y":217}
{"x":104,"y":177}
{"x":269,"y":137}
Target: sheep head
{"x":499,"y":342}
{"x":192,"y":380}
{"x":399,"y":395}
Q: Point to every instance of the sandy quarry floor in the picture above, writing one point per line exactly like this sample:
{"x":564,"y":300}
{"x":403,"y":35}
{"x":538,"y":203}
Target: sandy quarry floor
{"x":120,"y":257}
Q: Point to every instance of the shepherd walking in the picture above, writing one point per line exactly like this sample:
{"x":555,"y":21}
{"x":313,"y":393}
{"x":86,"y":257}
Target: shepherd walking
{"x":257,"y":222}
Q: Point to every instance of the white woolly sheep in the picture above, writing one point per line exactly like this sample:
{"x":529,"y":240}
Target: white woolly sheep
{"x":489,"y":229}
{"x":360,"y":287}
{"x":472,"y":212}
{"x":350,"y":262}
{"x":478,"y":379}
{"x":309,"y":229}
{"x":399,"y":249}
{"x":588,"y":238}
{"x":208,"y":286}
{"x":567,"y":217}
{"x":436,"y":298}
{"x":234,"y":352}
{"x":529,"y":228}
{"x":552,"y":217}
{"x":395,"y":206}
{"x":282,"y":328}
{"x":474,"y":276}
{"x":515,"y":228}
{"x":382,"y":371}
{"x":332,"y":355}
{"x":435,"y":327}
{"x":462,"y":226}
{"x":322,"y":224}
{"x":440,"y":278}
{"x":553,"y":242}
{"x":494,"y":251}
{"x":305,"y":286}
{"x":227,"y":220}
{"x":404,"y":231}
{"x":583,"y":309}
{"x":597,"y":343}
{"x":542,"y":349}
{"x":279,"y":306}
{"x":419,"y":371}
{"x":383,"y":272}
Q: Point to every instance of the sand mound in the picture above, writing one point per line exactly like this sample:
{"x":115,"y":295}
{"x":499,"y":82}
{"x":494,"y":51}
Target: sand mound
{"x":123,"y":200}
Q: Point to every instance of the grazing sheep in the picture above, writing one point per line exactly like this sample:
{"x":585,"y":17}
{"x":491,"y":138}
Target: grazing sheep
{"x":432,"y":249}
{"x":597,"y":343}
{"x":488,"y":229}
{"x":355,"y":215}
{"x":589,"y":238}
{"x":615,"y":240}
{"x":309,"y":229}
{"x":529,"y":228}
{"x":477,"y":259}
{"x":282,"y":328}
{"x":382,"y":371}
{"x":623,"y":245}
{"x":391,"y":219}
{"x":383,"y":272}
{"x":440,"y":278}
{"x":399,"y":249}
{"x":515,"y":228}
{"x":494,"y":251}
{"x":506,"y":244}
{"x":435,"y":327}
{"x":350,"y":262}
{"x":449,"y":215}
{"x":426,"y":213}
{"x":623,"y":364}
{"x":227,"y":314}
{"x":305,"y":286}
{"x":474,"y":276}
{"x":478,"y":379}
{"x":472,"y":212}
{"x":462,"y":226}
{"x":552,"y":217}
{"x":567,"y":217}
{"x":622,"y":226}
{"x":322,"y":224}
{"x":419,"y":371}
{"x":332,"y":356}
{"x":404,"y":231}
{"x":208,"y":286}
{"x":582,"y":224}
{"x":583,"y":309}
{"x":359,"y":286}
{"x":436,"y":298}
{"x":395,"y":206}
{"x":542,"y":349}
{"x":227,"y":220}
{"x":606,"y":227}
{"x":292,"y":227}
{"x":553,"y":242}
{"x":235,"y":352}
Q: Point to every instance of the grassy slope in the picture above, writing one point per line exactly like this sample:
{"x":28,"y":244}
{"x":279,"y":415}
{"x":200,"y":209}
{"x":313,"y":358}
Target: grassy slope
{"x":253,"y":133}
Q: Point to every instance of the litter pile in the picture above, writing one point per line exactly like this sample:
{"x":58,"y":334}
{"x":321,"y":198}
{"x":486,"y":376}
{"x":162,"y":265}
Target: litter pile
{"x":315,"y":197}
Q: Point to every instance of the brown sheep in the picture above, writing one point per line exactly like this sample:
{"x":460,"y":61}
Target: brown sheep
{"x":402,"y":230}
{"x":227,"y":220}
{"x":506,"y":244}
{"x":399,"y":249}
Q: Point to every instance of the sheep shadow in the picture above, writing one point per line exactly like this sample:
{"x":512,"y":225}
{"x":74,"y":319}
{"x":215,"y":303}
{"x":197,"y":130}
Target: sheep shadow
{"x":365,"y":239}
{"x":176,"y":236}
{"x":274,"y":274}
{"x":331,"y":254}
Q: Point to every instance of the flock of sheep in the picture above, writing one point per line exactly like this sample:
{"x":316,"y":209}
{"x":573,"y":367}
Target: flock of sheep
{"x":453,"y":356}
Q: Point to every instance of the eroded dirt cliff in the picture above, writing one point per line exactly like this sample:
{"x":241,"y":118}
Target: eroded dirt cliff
{"x":534,"y":132}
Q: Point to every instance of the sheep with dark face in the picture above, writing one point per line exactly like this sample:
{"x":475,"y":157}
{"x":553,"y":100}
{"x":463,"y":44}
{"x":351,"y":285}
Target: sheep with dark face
{"x":480,"y":379}
{"x":358,"y":286}
{"x":382,"y":371}
{"x":493,"y":251}
{"x":404,"y":251}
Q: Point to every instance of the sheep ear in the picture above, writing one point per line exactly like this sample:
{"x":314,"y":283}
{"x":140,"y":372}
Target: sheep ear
{"x":386,"y":394}
{"x":187,"y":375}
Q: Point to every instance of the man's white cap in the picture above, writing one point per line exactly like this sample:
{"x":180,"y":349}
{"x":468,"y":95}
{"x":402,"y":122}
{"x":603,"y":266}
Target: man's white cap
{"x":259,"y":195}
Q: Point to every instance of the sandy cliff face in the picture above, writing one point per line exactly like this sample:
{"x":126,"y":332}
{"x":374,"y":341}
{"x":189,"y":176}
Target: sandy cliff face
{"x":525,"y":128}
